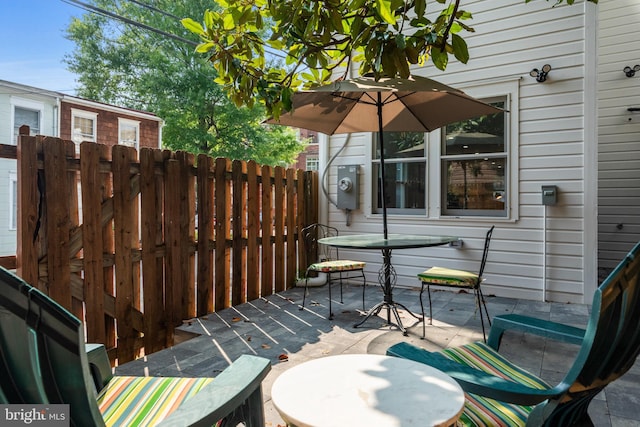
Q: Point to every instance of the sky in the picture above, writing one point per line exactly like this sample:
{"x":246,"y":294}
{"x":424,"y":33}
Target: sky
{"x":33,"y":43}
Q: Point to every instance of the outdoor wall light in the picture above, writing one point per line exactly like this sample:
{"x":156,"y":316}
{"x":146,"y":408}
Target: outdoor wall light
{"x":541,"y":75}
{"x":630,"y":72}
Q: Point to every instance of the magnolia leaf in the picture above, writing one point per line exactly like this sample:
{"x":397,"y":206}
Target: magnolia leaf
{"x":439,"y":58}
{"x":287,"y":94}
{"x":229,"y":22}
{"x":421,"y":7}
{"x":460,"y":49}
{"x":208,"y":19}
{"x":204,"y":47}
{"x":191,"y":25}
{"x":383,"y":7}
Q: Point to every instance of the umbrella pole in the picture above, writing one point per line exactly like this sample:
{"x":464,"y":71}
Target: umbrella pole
{"x":386,"y":252}
{"x":382,"y":174}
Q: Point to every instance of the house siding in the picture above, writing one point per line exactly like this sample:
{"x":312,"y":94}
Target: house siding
{"x":618,"y":130}
{"x":107,"y":124}
{"x":56,"y":121}
{"x":537,"y":249}
{"x":11,"y":95}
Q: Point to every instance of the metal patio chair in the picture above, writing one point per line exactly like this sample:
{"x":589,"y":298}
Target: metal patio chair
{"x":329,"y":262}
{"x":457,"y":279}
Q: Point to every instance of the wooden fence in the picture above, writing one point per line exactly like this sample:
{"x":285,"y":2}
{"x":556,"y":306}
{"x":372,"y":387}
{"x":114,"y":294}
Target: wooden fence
{"x":135,"y":246}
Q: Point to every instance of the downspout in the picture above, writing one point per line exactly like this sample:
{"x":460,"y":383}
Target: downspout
{"x":160,"y":127}
{"x":56,"y":118}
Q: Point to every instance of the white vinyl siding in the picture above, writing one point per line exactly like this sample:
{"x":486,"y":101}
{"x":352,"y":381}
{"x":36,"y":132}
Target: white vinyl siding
{"x":25,"y":112}
{"x":618,"y":130}
{"x":13,"y":201}
{"x":548,"y":130}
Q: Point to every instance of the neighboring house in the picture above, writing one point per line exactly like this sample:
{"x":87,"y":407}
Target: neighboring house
{"x":57,"y":114}
{"x":308,"y":159}
{"x":573,"y":131}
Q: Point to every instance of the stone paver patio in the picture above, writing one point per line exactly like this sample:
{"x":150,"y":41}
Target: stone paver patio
{"x":275,"y":328}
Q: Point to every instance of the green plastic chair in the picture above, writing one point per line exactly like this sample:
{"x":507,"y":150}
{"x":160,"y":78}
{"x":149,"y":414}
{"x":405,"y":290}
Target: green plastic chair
{"x":500,"y":391}
{"x":53,"y":366}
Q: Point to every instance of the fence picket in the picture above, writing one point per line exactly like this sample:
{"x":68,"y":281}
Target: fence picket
{"x":253,"y":229}
{"x":279,"y":191}
{"x":267,"y":284}
{"x":205,"y":234}
{"x":126,"y":256}
{"x":238,"y":254}
{"x":92,"y":240}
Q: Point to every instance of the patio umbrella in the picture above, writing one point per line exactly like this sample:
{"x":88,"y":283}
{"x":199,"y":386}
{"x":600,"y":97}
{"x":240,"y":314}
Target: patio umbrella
{"x":416,"y":104}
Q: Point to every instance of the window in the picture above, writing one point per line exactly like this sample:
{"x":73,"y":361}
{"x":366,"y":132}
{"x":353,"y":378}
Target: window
{"x":405,"y":172}
{"x":312,"y":163}
{"x":26,"y":112}
{"x":474,"y":165}
{"x":83,"y":126}
{"x":13,"y":201}
{"x":464,"y":170}
{"x":128,"y":131}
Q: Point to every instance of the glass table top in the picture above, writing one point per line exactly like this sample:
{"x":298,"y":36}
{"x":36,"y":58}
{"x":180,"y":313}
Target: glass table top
{"x":393,"y":241}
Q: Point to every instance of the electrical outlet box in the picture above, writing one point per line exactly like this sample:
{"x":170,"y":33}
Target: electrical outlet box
{"x":549,"y":194}
{"x":348,"y":187}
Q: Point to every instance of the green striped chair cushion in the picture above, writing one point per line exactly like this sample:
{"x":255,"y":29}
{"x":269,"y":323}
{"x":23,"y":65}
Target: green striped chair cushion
{"x":448,"y":277}
{"x":338,"y":265}
{"x":481,"y":411}
{"x":145,"y":401}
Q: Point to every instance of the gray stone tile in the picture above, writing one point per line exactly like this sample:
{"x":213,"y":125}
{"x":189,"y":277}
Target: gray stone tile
{"x":274,"y":326}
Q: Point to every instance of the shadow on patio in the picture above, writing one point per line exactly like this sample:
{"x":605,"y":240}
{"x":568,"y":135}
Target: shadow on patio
{"x":276,"y":329}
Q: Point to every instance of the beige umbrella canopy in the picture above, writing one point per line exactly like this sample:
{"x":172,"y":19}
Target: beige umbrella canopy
{"x":416,"y":104}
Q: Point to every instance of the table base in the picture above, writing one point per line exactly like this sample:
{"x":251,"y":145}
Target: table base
{"x":392,"y":307}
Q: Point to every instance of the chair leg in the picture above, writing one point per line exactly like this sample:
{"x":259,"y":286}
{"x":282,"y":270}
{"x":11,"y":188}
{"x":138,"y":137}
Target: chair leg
{"x":484,"y":303}
{"x":479,"y":302}
{"x":341,"y":298}
{"x":422,"y":309}
{"x":430,"y":307}
{"x":304,"y":294}
{"x":329,"y":284}
{"x":364,"y":286}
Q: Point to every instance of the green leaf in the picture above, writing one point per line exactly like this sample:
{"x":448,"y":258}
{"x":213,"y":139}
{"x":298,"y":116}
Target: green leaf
{"x":208,"y":19}
{"x":439,"y":58}
{"x":383,"y":7}
{"x":287,"y":94}
{"x":191,"y":25}
{"x":204,"y":47}
{"x":400,"y":41}
{"x":420,"y":7}
{"x":460,"y":49}
{"x":229,"y":22}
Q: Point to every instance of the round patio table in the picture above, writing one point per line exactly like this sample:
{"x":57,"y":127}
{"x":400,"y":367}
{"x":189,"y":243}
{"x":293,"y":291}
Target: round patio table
{"x":366,"y":390}
{"x":387,"y":274}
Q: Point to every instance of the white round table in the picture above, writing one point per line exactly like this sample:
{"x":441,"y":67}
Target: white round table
{"x":366,"y":390}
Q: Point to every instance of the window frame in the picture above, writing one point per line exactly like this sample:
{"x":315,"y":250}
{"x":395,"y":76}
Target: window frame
{"x":509,"y":89}
{"x":444,"y":158}
{"x":375,"y":165}
{"x":312,"y":163}
{"x":433,"y":176}
{"x":25,"y":104}
{"x":84,"y":114}
{"x":132,"y":123}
